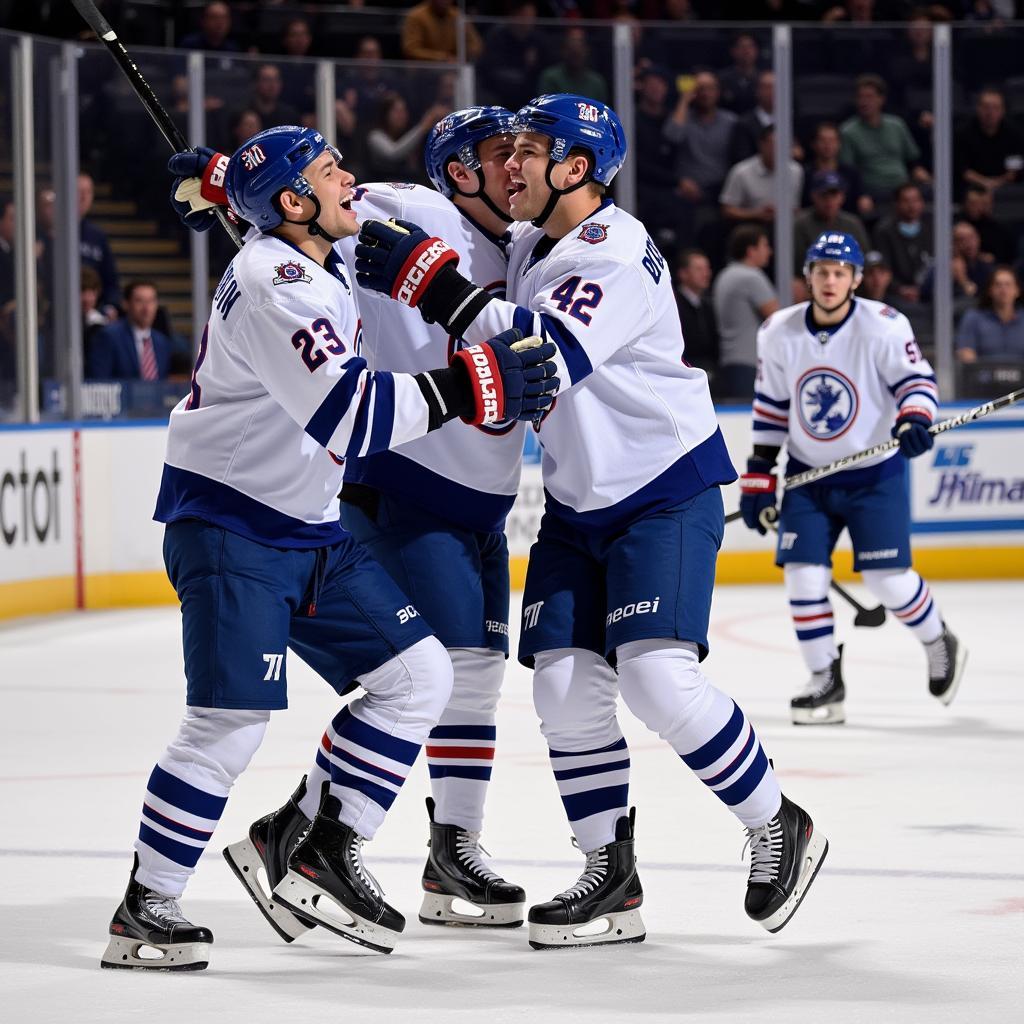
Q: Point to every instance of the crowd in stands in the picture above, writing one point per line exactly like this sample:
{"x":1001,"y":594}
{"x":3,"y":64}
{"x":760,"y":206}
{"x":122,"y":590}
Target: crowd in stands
{"x":703,"y":138}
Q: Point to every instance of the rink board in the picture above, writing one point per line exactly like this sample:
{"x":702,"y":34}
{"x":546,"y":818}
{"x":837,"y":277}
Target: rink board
{"x":76,"y":505}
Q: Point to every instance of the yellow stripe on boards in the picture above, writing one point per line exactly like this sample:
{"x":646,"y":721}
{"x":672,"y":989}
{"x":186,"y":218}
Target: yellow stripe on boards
{"x":37,"y":597}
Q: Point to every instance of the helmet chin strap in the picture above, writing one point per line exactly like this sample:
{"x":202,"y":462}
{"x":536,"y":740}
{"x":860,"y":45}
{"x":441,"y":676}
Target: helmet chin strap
{"x":312,"y":222}
{"x":484,"y":198}
{"x":556,"y":193}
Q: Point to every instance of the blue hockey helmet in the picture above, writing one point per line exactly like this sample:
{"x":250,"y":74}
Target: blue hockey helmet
{"x":456,"y":137}
{"x":570,"y":120}
{"x":837,"y":247}
{"x":271,"y":161}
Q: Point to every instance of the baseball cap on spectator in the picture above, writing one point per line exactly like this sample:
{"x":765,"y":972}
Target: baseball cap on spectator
{"x":875,"y":259}
{"x":827,"y":181}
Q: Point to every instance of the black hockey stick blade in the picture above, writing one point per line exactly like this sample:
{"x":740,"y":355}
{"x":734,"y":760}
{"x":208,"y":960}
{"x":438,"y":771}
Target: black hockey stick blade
{"x":170,"y":131}
{"x":870,"y":617}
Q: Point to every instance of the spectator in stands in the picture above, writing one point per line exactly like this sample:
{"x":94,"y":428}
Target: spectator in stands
{"x":393,"y":145}
{"x":95,"y":247}
{"x":879,"y":145}
{"x":131,"y":349}
{"x":367,"y":83}
{"x":976,"y":210}
{"x":265,"y":97}
{"x":905,"y":240}
{"x":995,"y":331}
{"x":825,"y":214}
{"x":825,"y":148}
{"x":743,"y":299}
{"x":244,"y":125}
{"x":754,"y":121}
{"x":738,"y":82}
{"x":911,"y":72}
{"x":298,"y":81}
{"x":214,"y":33}
{"x":702,"y":131}
{"x":877,"y":280}
{"x":513,"y":56}
{"x":749,"y":190}
{"x":431,"y":31}
{"x":990,"y":148}
{"x":297,"y":38}
{"x":696,"y":310}
{"x":970,"y":269}
{"x":92,"y":319}
{"x":574,"y":74}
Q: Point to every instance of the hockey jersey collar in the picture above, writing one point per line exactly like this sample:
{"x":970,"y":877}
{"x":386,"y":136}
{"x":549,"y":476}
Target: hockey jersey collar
{"x":824,"y":334}
{"x":333,"y":264}
{"x":501,"y":241}
{"x":546,"y":244}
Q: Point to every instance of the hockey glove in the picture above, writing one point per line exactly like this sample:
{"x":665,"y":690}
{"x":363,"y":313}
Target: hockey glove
{"x":911,"y":429}
{"x":199,"y":186}
{"x":400,"y":259}
{"x":510,"y":379}
{"x":757,"y":492}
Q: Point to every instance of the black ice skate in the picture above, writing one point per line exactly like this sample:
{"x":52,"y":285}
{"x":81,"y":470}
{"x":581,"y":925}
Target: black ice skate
{"x":602,"y":907}
{"x":821,"y":701}
{"x":785,"y":855}
{"x":326,"y":876}
{"x":150,"y":933}
{"x":456,"y":870}
{"x":946,"y":660}
{"x":266,"y":849}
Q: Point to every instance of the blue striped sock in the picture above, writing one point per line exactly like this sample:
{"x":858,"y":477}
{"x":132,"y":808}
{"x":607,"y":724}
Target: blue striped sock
{"x":460,"y":756}
{"x":594,"y":786}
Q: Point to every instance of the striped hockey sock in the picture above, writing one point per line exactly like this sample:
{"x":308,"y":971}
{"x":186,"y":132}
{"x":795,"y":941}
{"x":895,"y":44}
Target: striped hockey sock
{"x":460,"y":756}
{"x":919,"y":612}
{"x":815,"y":633}
{"x":594,"y":787}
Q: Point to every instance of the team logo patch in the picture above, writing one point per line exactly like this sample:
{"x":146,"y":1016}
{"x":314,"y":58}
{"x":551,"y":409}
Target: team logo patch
{"x":588,"y":112}
{"x":888,"y":312}
{"x":593,"y":233}
{"x":827,"y":403}
{"x":400,"y":184}
{"x":290,"y":272}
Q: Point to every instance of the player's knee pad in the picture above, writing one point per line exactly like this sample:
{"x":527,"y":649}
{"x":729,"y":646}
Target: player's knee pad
{"x":574,"y":694}
{"x":807,"y":582}
{"x":662,"y":684}
{"x":478,"y":673}
{"x":406,"y":695}
{"x":893,"y":587}
{"x":216,"y":744}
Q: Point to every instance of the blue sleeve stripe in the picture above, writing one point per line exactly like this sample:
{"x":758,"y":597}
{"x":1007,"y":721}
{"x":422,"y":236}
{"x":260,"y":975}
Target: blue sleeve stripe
{"x":576,"y":359}
{"x":359,"y":423}
{"x":383,"y":412}
{"x":930,"y":395}
{"x":893,"y":388}
{"x":325,"y":420}
{"x":523,"y":320}
{"x":760,"y":396}
{"x":764,"y":425}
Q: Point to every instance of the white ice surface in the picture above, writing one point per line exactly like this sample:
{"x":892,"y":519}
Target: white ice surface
{"x":917,"y":915}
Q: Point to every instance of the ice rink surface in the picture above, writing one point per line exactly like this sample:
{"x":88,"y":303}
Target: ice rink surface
{"x":917,"y":915}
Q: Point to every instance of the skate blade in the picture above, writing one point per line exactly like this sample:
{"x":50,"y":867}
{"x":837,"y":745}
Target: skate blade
{"x":245,"y":862}
{"x":814,"y":857}
{"x":827,"y":714}
{"x":440,"y":908}
{"x":123,"y":952}
{"x":961,"y":661}
{"x":623,"y":927}
{"x":302,"y":897}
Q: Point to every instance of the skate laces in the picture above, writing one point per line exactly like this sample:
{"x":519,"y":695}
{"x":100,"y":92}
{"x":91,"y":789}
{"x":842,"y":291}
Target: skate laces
{"x":765,"y":851}
{"x":163,"y":908}
{"x":818,"y":683}
{"x":470,"y":852}
{"x":594,"y":873}
{"x":938,"y":657}
{"x":355,"y":853}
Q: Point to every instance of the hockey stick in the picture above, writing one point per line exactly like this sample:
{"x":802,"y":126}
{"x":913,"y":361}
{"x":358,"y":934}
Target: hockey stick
{"x":818,"y":472}
{"x":169,"y":130}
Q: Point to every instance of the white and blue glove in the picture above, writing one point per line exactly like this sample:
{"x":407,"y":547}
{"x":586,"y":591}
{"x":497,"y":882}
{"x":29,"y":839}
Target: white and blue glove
{"x":198,"y":187}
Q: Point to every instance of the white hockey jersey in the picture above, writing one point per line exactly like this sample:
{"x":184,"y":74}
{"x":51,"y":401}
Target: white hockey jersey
{"x":632,"y":428}
{"x":278,"y":388}
{"x":466,"y":475}
{"x":827,"y":393}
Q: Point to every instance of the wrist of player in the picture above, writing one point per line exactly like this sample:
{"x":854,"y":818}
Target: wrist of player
{"x":453,"y":301}
{"x":447,"y":393}
{"x":759,"y":478}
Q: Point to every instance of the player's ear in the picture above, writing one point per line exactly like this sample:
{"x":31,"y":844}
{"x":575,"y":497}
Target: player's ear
{"x":459,"y":173}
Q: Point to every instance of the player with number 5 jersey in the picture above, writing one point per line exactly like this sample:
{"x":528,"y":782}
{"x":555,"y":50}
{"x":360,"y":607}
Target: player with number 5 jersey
{"x":619,"y":583}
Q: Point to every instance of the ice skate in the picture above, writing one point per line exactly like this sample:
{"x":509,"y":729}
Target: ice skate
{"x":946,"y":660}
{"x":785,"y":855}
{"x":266,"y":849}
{"x":821,"y":701}
{"x":456,"y":871}
{"x":150,"y":933}
{"x":327,"y":884}
{"x":603,"y":907}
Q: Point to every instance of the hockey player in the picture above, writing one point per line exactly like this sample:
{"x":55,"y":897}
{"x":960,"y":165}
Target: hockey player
{"x":838,"y":375}
{"x":622,"y":571}
{"x":439,"y":500}
{"x":260,"y":562}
